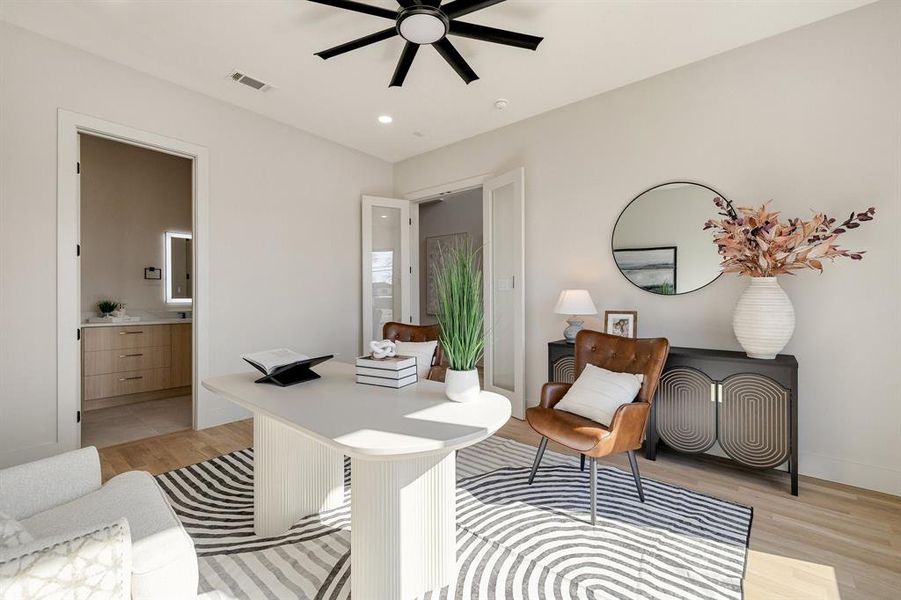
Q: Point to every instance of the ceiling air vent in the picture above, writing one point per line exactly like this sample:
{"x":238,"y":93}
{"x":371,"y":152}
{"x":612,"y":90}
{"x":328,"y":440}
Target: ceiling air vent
{"x":249,"y":81}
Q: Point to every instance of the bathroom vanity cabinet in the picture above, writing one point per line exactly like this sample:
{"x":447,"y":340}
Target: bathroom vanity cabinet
{"x":136,"y":362}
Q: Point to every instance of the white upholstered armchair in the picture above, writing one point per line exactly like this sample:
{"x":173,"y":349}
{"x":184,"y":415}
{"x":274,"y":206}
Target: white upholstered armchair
{"x":64,"y":535}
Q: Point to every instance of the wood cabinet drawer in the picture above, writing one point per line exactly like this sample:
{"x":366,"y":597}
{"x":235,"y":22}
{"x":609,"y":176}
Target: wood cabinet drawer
{"x":101,"y":362}
{"x":128,"y":382}
{"x":125,"y":338}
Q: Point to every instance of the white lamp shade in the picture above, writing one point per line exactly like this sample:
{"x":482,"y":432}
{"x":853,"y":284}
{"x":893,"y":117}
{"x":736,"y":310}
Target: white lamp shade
{"x":575,"y":302}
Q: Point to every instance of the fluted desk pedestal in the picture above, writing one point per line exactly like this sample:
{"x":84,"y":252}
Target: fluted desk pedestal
{"x":401,"y":444}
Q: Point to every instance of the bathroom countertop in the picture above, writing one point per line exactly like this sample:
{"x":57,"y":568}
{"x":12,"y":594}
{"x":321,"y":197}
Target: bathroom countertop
{"x":171,"y":321}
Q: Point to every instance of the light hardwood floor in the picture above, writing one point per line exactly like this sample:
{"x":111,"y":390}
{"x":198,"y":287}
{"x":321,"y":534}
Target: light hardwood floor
{"x":832,"y":541}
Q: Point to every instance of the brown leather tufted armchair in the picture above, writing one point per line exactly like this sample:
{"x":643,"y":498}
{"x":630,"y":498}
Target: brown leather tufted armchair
{"x":403,"y":332}
{"x":591,"y":439}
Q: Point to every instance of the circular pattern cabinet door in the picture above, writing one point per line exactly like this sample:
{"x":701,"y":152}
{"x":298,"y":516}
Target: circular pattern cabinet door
{"x":754,"y":420}
{"x":565,"y":369}
{"x":686,"y":410}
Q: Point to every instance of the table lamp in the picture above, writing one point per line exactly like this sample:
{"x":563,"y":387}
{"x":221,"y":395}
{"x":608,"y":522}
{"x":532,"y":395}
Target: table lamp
{"x":574,"y":303}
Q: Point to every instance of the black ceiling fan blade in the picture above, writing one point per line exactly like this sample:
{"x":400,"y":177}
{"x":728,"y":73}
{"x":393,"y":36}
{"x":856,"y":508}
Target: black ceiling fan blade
{"x":359,"y":7}
{"x":408,"y":3}
{"x":403,"y":64}
{"x":453,"y":58}
{"x":358,"y":43}
{"x":491,"y":34}
{"x":458,"y":8}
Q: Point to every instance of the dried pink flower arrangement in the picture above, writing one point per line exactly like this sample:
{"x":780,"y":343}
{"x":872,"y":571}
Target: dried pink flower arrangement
{"x":754,"y":242}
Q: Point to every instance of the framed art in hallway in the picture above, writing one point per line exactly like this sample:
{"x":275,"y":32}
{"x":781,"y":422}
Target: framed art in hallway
{"x":623,"y":323}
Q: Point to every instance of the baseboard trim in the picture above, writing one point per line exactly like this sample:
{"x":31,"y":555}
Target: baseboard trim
{"x":98,"y":403}
{"x":221,"y":415}
{"x":871,"y":477}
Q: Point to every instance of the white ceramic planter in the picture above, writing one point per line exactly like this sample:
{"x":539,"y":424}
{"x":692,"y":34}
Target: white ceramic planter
{"x":461,"y":386}
{"x":764,"y":318}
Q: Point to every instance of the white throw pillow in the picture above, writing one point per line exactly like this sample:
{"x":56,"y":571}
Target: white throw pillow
{"x":597,"y":393}
{"x":12,"y":533}
{"x":90,"y":563}
{"x":423,"y":351}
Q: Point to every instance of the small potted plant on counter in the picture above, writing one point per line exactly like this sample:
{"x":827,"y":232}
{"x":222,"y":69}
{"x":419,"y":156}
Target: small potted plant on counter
{"x":461,"y":319}
{"x":107,"y":307}
{"x":756,"y":243}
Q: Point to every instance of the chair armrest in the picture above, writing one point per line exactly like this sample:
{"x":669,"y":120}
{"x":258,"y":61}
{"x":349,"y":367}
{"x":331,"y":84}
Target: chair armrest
{"x":552,"y":392}
{"x":34,"y":487}
{"x":78,"y":564}
{"x":437,"y":373}
{"x":627,"y":427}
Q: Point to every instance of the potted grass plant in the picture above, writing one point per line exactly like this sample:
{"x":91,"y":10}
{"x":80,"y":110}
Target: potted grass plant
{"x":461,"y":319}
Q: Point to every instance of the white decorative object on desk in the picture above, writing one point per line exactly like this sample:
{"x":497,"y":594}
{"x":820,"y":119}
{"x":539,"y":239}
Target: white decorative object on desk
{"x":764,"y":318}
{"x":382,"y":349}
{"x":574,"y":303}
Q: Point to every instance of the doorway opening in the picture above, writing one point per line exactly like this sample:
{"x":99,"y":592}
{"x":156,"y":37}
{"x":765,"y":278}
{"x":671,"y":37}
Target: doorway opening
{"x":136,"y":283}
{"x":396,"y":265}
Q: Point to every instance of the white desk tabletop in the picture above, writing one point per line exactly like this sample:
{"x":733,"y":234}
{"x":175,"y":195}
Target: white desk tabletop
{"x":367,"y":421}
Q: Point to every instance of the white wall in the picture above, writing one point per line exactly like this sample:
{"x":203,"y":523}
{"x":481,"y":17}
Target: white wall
{"x":809,"y":119}
{"x":130,"y":197}
{"x":284,"y":223}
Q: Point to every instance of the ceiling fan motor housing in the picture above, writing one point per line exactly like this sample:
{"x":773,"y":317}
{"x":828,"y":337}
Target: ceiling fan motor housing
{"x":422,"y":24}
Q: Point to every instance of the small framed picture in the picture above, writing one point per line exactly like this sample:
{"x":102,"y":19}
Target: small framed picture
{"x":623,"y":323}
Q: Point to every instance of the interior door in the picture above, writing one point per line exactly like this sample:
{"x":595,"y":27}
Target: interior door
{"x":387,"y":268}
{"x":503,"y":267}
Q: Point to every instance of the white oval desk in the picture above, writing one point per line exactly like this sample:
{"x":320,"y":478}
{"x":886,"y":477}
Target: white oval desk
{"x":401,"y":444}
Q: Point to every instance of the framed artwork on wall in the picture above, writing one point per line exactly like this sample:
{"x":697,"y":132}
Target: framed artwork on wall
{"x":434,"y":248}
{"x":651,"y":269}
{"x":623,"y":323}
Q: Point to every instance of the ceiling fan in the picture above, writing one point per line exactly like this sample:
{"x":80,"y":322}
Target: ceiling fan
{"x":422,"y":22}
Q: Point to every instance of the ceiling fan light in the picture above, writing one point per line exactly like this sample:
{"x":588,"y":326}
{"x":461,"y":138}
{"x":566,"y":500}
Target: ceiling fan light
{"x":422,"y":28}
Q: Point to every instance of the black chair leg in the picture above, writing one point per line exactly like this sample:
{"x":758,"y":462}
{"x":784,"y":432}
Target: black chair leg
{"x":538,"y":456}
{"x":633,"y":461}
{"x":581,"y":462}
{"x":593,"y":471}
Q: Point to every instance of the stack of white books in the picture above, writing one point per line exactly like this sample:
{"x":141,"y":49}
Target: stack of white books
{"x":394,"y":372}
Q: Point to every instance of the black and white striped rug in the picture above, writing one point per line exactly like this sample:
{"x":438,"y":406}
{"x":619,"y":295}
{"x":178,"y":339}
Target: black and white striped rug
{"x":513,"y":540}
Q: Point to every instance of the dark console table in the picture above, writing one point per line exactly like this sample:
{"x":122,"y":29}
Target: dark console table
{"x":748,"y":406}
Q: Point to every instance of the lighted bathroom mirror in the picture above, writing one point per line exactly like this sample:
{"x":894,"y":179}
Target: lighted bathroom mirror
{"x":179,"y":261}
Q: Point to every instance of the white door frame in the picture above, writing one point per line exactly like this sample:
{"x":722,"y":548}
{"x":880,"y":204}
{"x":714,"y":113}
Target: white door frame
{"x":424,"y":195}
{"x":406,"y":270}
{"x":69,"y":125}
{"x":517,"y":176}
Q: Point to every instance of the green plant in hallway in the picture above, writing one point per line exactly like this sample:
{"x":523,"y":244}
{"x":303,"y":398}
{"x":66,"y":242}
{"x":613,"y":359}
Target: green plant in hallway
{"x":461,"y":319}
{"x":107,"y":306}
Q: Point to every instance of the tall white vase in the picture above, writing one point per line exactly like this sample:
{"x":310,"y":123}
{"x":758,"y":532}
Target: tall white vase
{"x":764,"y":318}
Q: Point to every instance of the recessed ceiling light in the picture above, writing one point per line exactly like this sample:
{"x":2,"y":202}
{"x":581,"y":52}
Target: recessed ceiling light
{"x":385,"y":120}
{"x":384,"y":216}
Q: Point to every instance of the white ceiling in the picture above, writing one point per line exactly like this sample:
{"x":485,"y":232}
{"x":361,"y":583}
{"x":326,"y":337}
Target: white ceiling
{"x":590,"y":46}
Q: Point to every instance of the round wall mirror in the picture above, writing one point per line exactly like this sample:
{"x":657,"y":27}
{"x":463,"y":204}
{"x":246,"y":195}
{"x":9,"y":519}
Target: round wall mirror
{"x":659,"y":242}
